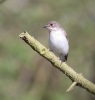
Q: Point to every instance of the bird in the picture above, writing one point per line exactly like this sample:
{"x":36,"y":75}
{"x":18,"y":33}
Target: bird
{"x":58,"y":40}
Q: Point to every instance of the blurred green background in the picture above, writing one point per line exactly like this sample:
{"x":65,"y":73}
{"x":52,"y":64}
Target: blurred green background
{"x":24,"y":74}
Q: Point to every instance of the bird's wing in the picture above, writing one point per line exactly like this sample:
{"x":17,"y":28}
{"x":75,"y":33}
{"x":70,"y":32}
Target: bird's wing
{"x":65,"y":34}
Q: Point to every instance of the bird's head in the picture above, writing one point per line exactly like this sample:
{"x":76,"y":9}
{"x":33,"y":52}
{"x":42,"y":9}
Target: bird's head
{"x":52,"y":26}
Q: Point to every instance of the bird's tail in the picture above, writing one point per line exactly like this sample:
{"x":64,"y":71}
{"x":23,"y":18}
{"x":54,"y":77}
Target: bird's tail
{"x":64,"y":58}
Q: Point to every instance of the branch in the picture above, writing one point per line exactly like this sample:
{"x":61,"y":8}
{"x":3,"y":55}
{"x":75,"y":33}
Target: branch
{"x":77,"y":79}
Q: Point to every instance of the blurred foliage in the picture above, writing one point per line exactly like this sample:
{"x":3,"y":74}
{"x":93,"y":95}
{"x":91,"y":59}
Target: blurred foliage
{"x":25,"y":75}
{"x":1,"y":1}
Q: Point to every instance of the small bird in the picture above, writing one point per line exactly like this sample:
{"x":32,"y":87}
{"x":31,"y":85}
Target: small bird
{"x":58,"y":40}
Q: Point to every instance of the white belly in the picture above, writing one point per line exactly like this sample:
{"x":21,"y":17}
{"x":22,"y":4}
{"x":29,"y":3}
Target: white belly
{"x":58,"y":43}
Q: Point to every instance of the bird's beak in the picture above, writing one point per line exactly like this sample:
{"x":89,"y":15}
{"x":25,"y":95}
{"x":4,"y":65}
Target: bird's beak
{"x":45,"y":26}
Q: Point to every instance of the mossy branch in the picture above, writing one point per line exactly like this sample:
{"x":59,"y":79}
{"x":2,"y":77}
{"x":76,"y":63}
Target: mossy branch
{"x":76,"y":78}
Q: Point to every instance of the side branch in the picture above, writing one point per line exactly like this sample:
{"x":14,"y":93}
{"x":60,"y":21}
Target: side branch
{"x":68,"y":71}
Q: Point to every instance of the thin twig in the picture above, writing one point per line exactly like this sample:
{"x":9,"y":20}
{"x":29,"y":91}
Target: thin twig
{"x":71,"y":87}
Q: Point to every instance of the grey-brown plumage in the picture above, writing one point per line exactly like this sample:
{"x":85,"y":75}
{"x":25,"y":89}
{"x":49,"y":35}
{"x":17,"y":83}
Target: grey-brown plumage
{"x":58,"y":40}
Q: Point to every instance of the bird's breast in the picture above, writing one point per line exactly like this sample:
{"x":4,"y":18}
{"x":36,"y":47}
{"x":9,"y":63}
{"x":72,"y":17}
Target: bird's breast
{"x":58,"y":42}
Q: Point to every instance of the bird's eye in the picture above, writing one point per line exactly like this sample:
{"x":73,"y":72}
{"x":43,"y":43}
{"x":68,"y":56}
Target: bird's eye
{"x":51,"y":24}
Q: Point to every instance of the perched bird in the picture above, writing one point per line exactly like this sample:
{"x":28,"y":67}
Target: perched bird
{"x":58,"y":40}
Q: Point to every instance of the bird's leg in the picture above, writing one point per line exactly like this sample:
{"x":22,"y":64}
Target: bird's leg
{"x":61,"y":59}
{"x":50,"y":50}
